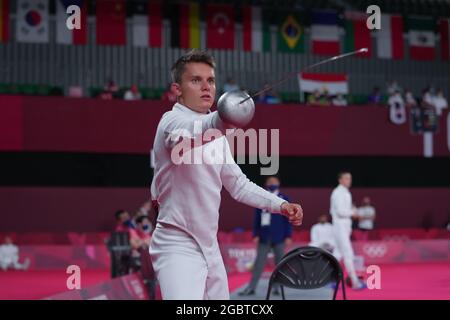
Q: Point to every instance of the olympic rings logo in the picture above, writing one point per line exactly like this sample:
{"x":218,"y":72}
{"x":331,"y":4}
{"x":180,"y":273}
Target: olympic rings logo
{"x":375,"y":250}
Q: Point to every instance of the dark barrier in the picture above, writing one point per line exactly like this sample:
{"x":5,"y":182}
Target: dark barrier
{"x":90,"y":125}
{"x":239,"y":257}
{"x":92,"y":209}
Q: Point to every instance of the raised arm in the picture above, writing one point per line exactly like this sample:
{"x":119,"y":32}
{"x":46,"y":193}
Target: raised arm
{"x":247,"y":192}
{"x":178,"y":127}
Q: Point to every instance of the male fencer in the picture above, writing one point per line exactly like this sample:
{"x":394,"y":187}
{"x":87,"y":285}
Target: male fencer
{"x":186,"y":187}
{"x":322,"y":236}
{"x":342,"y":210}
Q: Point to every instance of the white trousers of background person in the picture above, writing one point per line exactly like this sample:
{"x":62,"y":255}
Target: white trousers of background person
{"x":342,"y":232}
{"x":182,"y":270}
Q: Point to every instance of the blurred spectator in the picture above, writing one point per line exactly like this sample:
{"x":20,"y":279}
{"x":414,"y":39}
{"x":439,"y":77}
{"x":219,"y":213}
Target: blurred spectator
{"x":318,"y":99}
{"x":440,"y":102}
{"x":269,"y":97}
{"x":322,"y":235}
{"x":140,"y":239}
{"x":427,"y":98}
{"x":366,"y":215}
{"x":230,"y":85}
{"x":410,"y":101}
{"x":132,"y":94}
{"x":109,"y":90}
{"x":324,"y":98}
{"x":9,"y":256}
{"x":140,"y":236}
{"x":169,"y":95}
{"x":123,"y":221}
{"x":339,"y":100}
{"x":145,"y":209}
{"x":393,"y":87}
{"x":314,"y":98}
{"x":375,"y":96}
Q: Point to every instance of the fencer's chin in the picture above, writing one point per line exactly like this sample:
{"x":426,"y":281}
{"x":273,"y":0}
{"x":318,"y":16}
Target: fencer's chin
{"x":205,"y":106}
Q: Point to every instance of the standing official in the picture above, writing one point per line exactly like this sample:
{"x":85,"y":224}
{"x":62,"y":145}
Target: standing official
{"x":342,"y":211}
{"x":270,"y":232}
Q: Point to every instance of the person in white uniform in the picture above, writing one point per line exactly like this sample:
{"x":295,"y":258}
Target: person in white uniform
{"x":322,"y":236}
{"x":342,"y":211}
{"x":9,"y":256}
{"x":190,"y":169}
{"x":439,"y":102}
{"x":366,"y":215}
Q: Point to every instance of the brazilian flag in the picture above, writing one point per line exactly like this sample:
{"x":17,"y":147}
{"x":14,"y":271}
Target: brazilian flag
{"x":291,"y":33}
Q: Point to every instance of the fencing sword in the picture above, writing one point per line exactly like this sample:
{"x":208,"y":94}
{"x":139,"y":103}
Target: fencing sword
{"x":237,"y":107}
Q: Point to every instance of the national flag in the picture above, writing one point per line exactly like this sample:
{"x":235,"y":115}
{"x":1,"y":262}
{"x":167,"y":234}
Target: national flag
{"x":185,"y":26}
{"x":390,"y":37}
{"x":256,"y":30}
{"x":357,"y":35}
{"x":63,"y":34}
{"x":146,"y":23}
{"x":111,"y":22}
{"x":325,"y":33}
{"x":422,"y":40}
{"x":444,"y":28}
{"x":334,"y":83}
{"x":4,"y":20}
{"x":291,"y":34}
{"x":32,"y":21}
{"x":220,"y":32}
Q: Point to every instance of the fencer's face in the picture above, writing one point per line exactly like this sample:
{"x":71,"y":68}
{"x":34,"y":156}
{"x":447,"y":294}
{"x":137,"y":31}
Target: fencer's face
{"x":272,"y":184}
{"x":323,"y":219}
{"x":346,"y":180}
{"x":143,"y":225}
{"x":197,"y":89}
{"x":124,"y":217}
{"x":272,"y":181}
{"x":366,"y":201}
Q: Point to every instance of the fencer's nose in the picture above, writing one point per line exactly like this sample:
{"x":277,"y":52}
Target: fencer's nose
{"x":206,"y":86}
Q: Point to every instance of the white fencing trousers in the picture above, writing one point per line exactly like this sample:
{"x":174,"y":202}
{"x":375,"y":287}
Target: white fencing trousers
{"x":342,"y":231}
{"x":182,"y":270}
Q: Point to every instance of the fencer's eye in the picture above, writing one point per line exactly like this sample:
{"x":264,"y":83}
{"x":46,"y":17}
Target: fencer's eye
{"x":211,"y":81}
{"x":195,"y":81}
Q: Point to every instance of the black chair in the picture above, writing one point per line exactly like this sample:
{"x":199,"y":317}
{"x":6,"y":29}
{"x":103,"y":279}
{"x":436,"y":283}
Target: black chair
{"x":307,"y":268}
{"x":120,"y":250}
{"x":124,"y":263}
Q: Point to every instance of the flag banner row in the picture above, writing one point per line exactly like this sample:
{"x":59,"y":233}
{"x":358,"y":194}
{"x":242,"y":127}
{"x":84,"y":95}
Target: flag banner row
{"x":214,"y":26}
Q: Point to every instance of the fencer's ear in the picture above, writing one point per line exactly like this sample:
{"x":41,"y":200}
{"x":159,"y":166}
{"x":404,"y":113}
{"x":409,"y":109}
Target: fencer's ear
{"x":175,"y":88}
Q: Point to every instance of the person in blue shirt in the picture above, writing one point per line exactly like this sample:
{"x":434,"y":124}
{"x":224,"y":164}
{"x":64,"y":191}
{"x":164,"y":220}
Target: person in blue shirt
{"x":270,"y":232}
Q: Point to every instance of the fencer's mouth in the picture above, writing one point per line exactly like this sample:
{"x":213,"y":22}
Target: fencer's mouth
{"x":206,"y":97}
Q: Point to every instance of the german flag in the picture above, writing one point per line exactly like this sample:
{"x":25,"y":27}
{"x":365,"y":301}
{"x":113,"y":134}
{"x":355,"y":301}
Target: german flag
{"x":185,"y":26}
{"x":4,"y":20}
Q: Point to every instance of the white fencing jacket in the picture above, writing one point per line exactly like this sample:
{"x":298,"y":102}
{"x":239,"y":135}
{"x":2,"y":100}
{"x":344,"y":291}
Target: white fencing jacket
{"x":322,"y":234}
{"x":188,"y":195}
{"x":341,"y":208}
